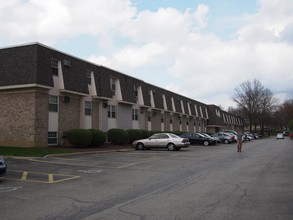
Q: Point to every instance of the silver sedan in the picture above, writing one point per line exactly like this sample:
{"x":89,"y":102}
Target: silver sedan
{"x":162,"y":140}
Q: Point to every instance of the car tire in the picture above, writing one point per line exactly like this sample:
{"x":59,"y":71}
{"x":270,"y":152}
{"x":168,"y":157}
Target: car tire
{"x":139,"y":146}
{"x":226,"y":141}
{"x":206,"y":143}
{"x":171,"y":146}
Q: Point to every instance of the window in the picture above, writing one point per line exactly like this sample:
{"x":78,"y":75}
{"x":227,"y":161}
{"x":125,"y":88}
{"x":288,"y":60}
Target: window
{"x":53,"y":103}
{"x":162,"y":118}
{"x":89,"y":76}
{"x":149,"y":116}
{"x":112,"y":84}
{"x":135,"y":92}
{"x":111,"y":111}
{"x":134,"y":115}
{"x":171,"y":119}
{"x":54,"y":66}
{"x":88,"y":108}
{"x":52,"y":138}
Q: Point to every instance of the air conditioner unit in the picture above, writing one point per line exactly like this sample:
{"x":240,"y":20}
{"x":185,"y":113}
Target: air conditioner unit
{"x":66,"y":99}
{"x":66,"y":63}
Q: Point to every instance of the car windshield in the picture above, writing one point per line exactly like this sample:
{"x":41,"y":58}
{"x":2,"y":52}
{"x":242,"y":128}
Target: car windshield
{"x":204,"y":134}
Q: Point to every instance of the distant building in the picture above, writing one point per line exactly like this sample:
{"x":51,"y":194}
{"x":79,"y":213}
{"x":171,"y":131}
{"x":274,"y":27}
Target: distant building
{"x":44,"y":93}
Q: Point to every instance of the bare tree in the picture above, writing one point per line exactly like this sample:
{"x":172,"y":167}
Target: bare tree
{"x":284,"y":114}
{"x":246,"y":96}
{"x":255,"y":102}
{"x":267,"y":106}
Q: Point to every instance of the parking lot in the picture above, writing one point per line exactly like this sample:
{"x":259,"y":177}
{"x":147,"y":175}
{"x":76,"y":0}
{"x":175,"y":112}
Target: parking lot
{"x":200,"y":182}
{"x":39,"y":170}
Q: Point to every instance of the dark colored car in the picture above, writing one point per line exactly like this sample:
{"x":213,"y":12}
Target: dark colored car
{"x":197,"y":138}
{"x":3,"y":167}
{"x":218,"y":140}
{"x":224,"y":137}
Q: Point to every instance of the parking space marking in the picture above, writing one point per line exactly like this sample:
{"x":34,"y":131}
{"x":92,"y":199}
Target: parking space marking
{"x":24,"y":176}
{"x":9,"y":189}
{"x":71,"y":163}
{"x":38,"y":177}
{"x":147,"y":157}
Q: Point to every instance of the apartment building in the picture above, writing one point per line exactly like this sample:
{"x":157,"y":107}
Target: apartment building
{"x":45,"y":92}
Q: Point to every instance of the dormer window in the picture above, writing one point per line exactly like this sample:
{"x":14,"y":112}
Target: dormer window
{"x":54,"y":66}
{"x":89,"y":76}
{"x":112,"y":84}
{"x":135,"y":92}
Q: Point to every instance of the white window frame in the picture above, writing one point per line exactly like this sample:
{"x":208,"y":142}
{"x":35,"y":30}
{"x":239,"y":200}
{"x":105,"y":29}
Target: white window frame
{"x":88,"y":108}
{"x":52,"y":138}
{"x":134,"y":115}
{"x":111,"y":111}
{"x":53,"y":103}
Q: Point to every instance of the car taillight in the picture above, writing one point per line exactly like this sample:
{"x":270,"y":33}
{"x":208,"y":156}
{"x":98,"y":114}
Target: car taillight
{"x":185,"y":140}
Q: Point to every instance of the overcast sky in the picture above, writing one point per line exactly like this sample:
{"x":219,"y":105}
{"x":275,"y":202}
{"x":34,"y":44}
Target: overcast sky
{"x":200,"y":49}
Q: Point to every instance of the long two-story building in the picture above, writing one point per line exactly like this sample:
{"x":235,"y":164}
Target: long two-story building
{"x":45,"y":92}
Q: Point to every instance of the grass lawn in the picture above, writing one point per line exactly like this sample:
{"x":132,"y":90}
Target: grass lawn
{"x":31,"y":152}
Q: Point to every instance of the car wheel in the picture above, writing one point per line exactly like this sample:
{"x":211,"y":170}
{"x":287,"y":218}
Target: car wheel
{"x":226,"y":141}
{"x":206,"y":143}
{"x":171,"y":147}
{"x":140,"y":146}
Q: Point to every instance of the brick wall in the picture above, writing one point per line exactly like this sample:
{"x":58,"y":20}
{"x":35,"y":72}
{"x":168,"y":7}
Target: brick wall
{"x":69,"y":114}
{"x":18,"y":114}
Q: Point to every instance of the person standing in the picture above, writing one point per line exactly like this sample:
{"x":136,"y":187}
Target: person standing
{"x":239,"y":140}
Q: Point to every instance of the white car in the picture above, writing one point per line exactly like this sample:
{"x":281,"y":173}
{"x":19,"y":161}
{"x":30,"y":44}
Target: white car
{"x":280,"y":136}
{"x":162,"y":140}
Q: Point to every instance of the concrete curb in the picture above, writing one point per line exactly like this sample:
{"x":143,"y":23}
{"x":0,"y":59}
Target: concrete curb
{"x":87,"y":152}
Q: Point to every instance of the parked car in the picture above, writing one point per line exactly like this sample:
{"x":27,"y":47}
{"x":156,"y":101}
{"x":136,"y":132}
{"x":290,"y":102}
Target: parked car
{"x":286,"y":133}
{"x":225,"y":137}
{"x":3,"y":167}
{"x":197,"y":138}
{"x":162,"y":140}
{"x":280,"y":136}
{"x":218,"y":140}
{"x":231,"y":131}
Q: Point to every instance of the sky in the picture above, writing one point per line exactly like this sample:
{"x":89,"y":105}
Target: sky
{"x":201,"y":49}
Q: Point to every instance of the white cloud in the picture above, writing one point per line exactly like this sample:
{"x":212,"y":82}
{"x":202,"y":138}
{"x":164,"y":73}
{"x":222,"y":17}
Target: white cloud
{"x":174,"y":44}
{"x":49,"y":21}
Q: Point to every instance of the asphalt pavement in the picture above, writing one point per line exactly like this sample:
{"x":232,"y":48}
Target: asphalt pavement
{"x":213,"y":182}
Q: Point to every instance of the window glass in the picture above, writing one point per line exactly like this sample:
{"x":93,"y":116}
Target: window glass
{"x":53,"y":103}
{"x":52,"y":138}
{"x":111,"y":111}
{"x":54,"y":66}
{"x":112,"y":84}
{"x":88,"y":108}
{"x":134,"y":114}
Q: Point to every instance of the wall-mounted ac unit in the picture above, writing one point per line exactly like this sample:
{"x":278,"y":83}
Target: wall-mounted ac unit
{"x":66,"y":63}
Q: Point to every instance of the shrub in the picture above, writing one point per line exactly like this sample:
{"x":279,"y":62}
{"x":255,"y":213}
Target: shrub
{"x":98,"y":137}
{"x":146,"y":134}
{"x":118,"y":136}
{"x":79,"y":137}
{"x":134,"y":134}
